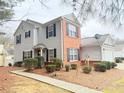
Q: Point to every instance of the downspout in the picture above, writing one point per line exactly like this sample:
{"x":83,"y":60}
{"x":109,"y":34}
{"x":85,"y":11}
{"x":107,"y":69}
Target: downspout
{"x":62,"y":40}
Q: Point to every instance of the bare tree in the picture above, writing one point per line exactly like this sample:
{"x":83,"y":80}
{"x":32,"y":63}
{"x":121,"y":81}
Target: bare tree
{"x":112,"y":10}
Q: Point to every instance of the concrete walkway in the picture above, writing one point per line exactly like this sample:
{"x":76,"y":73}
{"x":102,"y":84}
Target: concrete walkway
{"x":120,"y":66}
{"x":59,"y":83}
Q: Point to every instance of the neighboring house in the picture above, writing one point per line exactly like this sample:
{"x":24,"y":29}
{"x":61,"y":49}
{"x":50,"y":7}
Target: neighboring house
{"x":119,"y":48}
{"x":2,"y":55}
{"x":6,"y":55}
{"x":9,"y":56}
{"x":98,"y":48}
{"x":58,"y":38}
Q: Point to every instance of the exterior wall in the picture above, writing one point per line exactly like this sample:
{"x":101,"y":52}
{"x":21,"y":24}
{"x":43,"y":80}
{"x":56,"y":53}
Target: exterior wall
{"x":107,"y":50}
{"x":69,"y":42}
{"x":94,"y":53}
{"x":1,"y":55}
{"x":26,"y":43}
{"x":51,"y":42}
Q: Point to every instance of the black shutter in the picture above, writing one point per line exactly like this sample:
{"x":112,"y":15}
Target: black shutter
{"x":54,"y":30}
{"x":47,"y":32}
{"x":78,"y":54}
{"x":31,"y":53}
{"x":47,"y":55}
{"x":29,"y":33}
{"x":23,"y":55}
{"x":20,"y":38}
{"x":68,"y":53}
{"x":54,"y":53}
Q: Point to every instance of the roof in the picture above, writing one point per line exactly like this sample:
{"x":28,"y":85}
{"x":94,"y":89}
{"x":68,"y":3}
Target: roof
{"x":70,"y":17}
{"x":92,"y":41}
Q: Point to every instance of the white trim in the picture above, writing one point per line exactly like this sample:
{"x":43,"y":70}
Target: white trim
{"x":62,"y":41}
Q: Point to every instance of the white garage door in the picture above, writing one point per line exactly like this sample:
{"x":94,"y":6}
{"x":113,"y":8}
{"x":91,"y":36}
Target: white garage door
{"x":107,"y":55}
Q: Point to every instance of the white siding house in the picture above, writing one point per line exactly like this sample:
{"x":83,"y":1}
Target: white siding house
{"x":98,"y":48}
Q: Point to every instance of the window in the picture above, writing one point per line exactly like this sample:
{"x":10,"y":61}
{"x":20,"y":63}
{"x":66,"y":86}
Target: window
{"x":51,"y":31}
{"x":51,"y":54}
{"x":73,"y":54}
{"x":27,"y":34}
{"x":18,"y":39}
{"x":72,"y":30}
{"x":27,"y":54}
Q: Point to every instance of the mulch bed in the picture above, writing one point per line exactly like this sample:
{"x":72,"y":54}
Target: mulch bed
{"x":95,"y":80}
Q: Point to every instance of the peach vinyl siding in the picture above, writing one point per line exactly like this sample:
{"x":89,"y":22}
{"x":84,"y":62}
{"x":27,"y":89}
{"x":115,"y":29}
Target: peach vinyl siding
{"x":69,"y":42}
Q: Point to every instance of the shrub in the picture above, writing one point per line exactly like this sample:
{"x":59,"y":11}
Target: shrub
{"x":100,"y":67}
{"x":118,"y":60}
{"x":50,"y":68}
{"x":108,"y":65}
{"x":113,"y":64}
{"x":87,"y":69}
{"x":73,"y":66}
{"x":58,"y":63}
{"x":10,"y":64}
{"x":67,"y":68}
{"x":30,"y":63}
{"x":40,"y":61}
{"x":18,"y":64}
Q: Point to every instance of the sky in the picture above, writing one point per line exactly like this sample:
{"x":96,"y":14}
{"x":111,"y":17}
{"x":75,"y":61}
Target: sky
{"x":32,"y":9}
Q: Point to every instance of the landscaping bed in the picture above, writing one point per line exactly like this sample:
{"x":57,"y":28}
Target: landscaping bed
{"x":95,"y":80}
{"x":11,"y":83}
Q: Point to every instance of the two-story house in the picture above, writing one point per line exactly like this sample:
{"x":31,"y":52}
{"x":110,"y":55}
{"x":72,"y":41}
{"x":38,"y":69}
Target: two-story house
{"x":58,"y":38}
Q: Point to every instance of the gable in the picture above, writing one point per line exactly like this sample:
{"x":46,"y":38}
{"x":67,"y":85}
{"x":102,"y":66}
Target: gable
{"x":72,"y":18}
{"x":21,"y":27}
{"x":109,"y":41}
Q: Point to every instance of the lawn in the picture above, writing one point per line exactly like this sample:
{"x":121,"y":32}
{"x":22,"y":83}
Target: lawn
{"x":11,"y":83}
{"x":116,"y":87}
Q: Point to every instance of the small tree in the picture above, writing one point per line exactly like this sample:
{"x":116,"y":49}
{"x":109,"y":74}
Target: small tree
{"x":30,"y":63}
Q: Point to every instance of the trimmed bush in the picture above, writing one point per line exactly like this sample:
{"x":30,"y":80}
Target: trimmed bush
{"x":18,"y":64}
{"x":30,"y":63}
{"x":113,"y":64}
{"x":100,"y":67}
{"x":67,"y":68}
{"x":50,"y":68}
{"x":87,"y":69}
{"x":118,"y":60}
{"x":40,"y":61}
{"x":108,"y":65}
{"x":74,"y":66}
{"x":58,"y":63}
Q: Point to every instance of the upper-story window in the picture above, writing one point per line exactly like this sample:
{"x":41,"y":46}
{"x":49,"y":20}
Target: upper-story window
{"x":51,"y":31}
{"x":18,"y":39}
{"x":72,"y":31}
{"x":27,"y":34}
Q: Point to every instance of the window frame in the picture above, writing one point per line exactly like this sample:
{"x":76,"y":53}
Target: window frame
{"x":72,"y":53}
{"x":72,"y":30}
{"x":18,"y":39}
{"x":51,"y":30}
{"x":28,"y":34}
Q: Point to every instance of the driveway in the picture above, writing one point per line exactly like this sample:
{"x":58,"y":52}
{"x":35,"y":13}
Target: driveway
{"x":120,"y":66}
{"x":11,"y":83}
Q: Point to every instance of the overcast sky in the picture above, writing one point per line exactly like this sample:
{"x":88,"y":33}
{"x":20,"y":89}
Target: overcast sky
{"x":55,"y":8}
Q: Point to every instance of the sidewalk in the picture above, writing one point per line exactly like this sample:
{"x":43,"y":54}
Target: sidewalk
{"x":59,"y":83}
